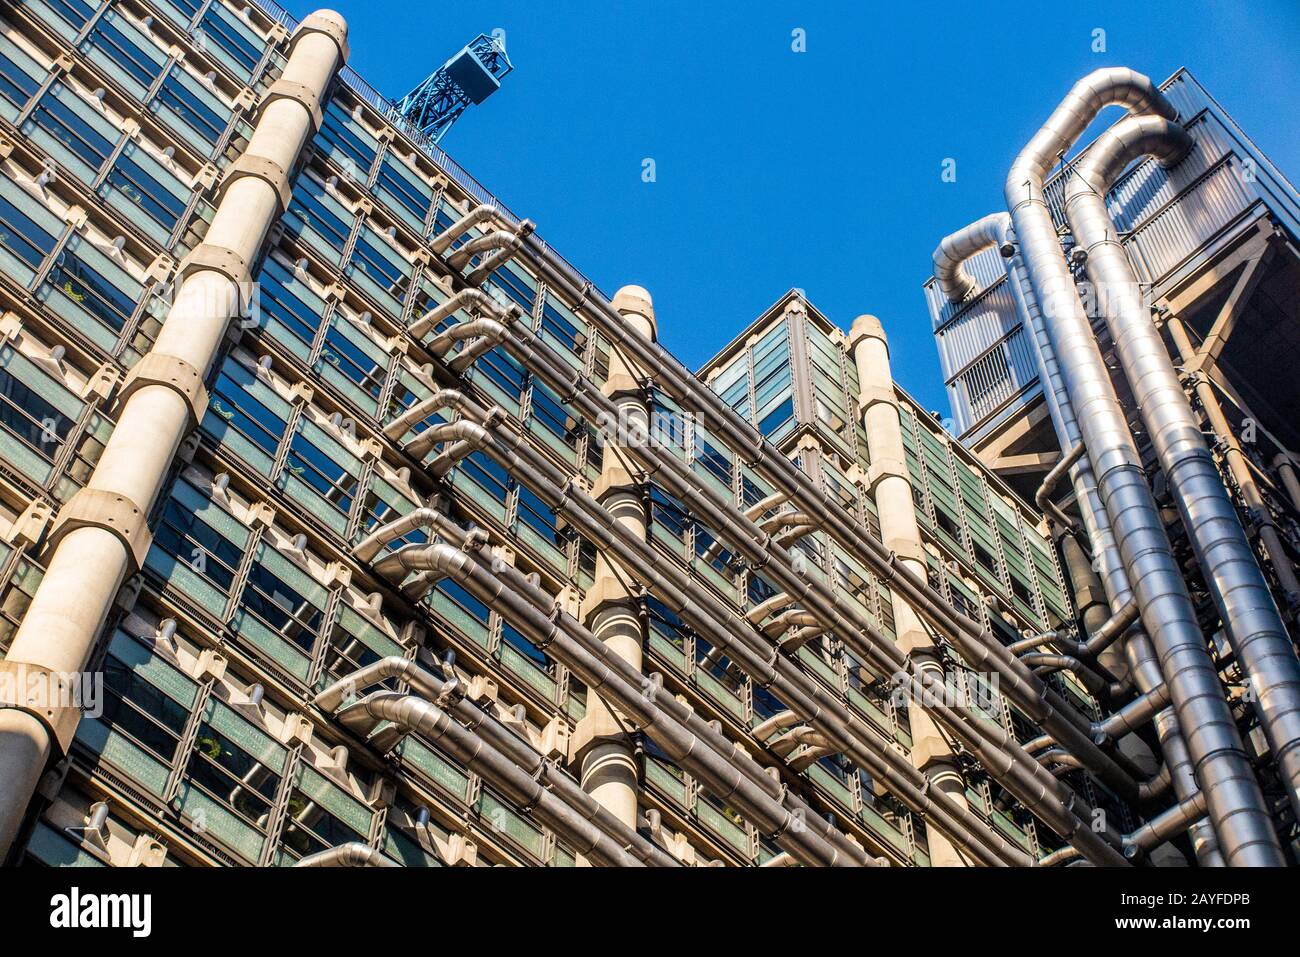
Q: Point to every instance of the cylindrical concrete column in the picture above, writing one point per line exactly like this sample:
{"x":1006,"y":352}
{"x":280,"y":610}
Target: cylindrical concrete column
{"x":610,"y":609}
{"x":892,"y":489}
{"x":100,"y":537}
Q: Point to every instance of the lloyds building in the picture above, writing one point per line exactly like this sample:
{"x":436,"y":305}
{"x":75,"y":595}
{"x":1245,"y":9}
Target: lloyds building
{"x":372,"y":533}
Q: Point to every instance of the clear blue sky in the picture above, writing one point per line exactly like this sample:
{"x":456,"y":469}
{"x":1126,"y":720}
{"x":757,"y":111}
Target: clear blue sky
{"x":819,"y":170}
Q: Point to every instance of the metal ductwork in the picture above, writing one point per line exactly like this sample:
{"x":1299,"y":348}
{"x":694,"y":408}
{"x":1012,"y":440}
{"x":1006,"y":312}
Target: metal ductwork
{"x":704,"y":751}
{"x":448,"y":695}
{"x":532,"y":793}
{"x":353,"y":854}
{"x":475,"y":217}
{"x":1236,"y":807}
{"x":474,"y":300}
{"x":706,"y":615}
{"x":1096,"y":522}
{"x":1252,"y":623}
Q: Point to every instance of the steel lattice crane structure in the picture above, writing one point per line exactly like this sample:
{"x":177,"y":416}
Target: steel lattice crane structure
{"x":468,"y":78}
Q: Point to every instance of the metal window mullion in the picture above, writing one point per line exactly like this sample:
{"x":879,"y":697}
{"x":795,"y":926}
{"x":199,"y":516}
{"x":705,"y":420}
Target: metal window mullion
{"x":67,"y":452}
{"x":242,"y":572}
{"x":47,"y":264}
{"x":199,"y":14}
{"x":57,"y":71}
{"x":317,"y":345}
{"x":330,"y":616}
{"x":280,"y":806}
{"x":189,"y":734}
{"x":155,"y":87}
{"x":91,"y":22}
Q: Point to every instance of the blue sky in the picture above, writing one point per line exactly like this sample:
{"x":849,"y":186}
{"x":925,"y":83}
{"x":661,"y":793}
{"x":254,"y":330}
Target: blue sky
{"x":819,"y":170}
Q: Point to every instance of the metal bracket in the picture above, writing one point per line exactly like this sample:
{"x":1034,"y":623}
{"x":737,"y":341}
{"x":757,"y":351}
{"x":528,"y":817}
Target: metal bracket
{"x":27,"y":688}
{"x":171,"y":372}
{"x":114,"y":513}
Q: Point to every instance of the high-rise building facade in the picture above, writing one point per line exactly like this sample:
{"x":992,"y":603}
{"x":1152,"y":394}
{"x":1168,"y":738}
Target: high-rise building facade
{"x":347,"y":523}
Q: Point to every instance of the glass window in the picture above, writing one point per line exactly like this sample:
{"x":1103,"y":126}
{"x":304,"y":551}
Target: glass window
{"x":145,"y":709}
{"x":19,"y":77}
{"x":246,"y":416}
{"x":97,"y":287}
{"x":283,"y":598}
{"x":73,"y":136}
{"x":121,"y":43}
{"x":197,"y":547}
{"x":237,"y":46}
{"x":322,"y":468}
{"x":312,"y":209}
{"x":381,"y":269}
{"x":778,"y":417}
{"x":349,"y":145}
{"x":149,"y":189}
{"x":355,"y":643}
{"x":22,"y":237}
{"x":515,"y":284}
{"x":563,"y":329}
{"x":288,"y":309}
{"x":37,"y":414}
{"x":554,"y":417}
{"x":320,"y":816}
{"x":231,"y":780}
{"x":201,"y":112}
{"x":411,"y":196}
{"x":73,"y":13}
{"x":359,"y":366}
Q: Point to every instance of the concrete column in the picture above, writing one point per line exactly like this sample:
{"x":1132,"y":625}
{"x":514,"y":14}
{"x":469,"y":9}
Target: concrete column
{"x":610,"y":609}
{"x":100,"y":537}
{"x":892,"y":489}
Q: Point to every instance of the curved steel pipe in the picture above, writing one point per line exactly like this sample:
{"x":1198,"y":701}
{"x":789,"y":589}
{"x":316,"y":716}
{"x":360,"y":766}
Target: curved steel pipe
{"x":352,"y":854}
{"x":1241,"y":594}
{"x":1236,"y":805}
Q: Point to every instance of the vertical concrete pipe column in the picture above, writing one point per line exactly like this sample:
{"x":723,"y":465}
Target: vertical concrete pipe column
{"x":892,"y":488}
{"x":101,"y":536}
{"x":611,"y":610}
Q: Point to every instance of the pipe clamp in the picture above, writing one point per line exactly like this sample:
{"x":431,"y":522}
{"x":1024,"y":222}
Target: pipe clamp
{"x":114,"y":513}
{"x":171,"y":372}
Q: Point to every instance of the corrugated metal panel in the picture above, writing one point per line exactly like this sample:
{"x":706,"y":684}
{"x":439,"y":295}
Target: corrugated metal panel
{"x":1001,"y":373}
{"x":981,"y":324}
{"x":1188,"y":223}
{"x":986,"y":268}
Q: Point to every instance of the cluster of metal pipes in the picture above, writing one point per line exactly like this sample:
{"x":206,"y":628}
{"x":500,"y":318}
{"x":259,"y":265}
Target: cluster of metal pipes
{"x":1163,"y":656}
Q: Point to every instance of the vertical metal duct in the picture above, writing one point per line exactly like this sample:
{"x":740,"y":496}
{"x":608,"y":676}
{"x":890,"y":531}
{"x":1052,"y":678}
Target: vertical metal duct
{"x":996,"y":230}
{"x":1236,"y":806}
{"x":1251,"y":620}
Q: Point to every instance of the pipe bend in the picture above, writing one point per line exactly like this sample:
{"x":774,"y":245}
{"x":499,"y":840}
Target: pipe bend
{"x":1128,"y":140}
{"x":954,"y":250}
{"x":353,"y":854}
{"x":1108,"y":86}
